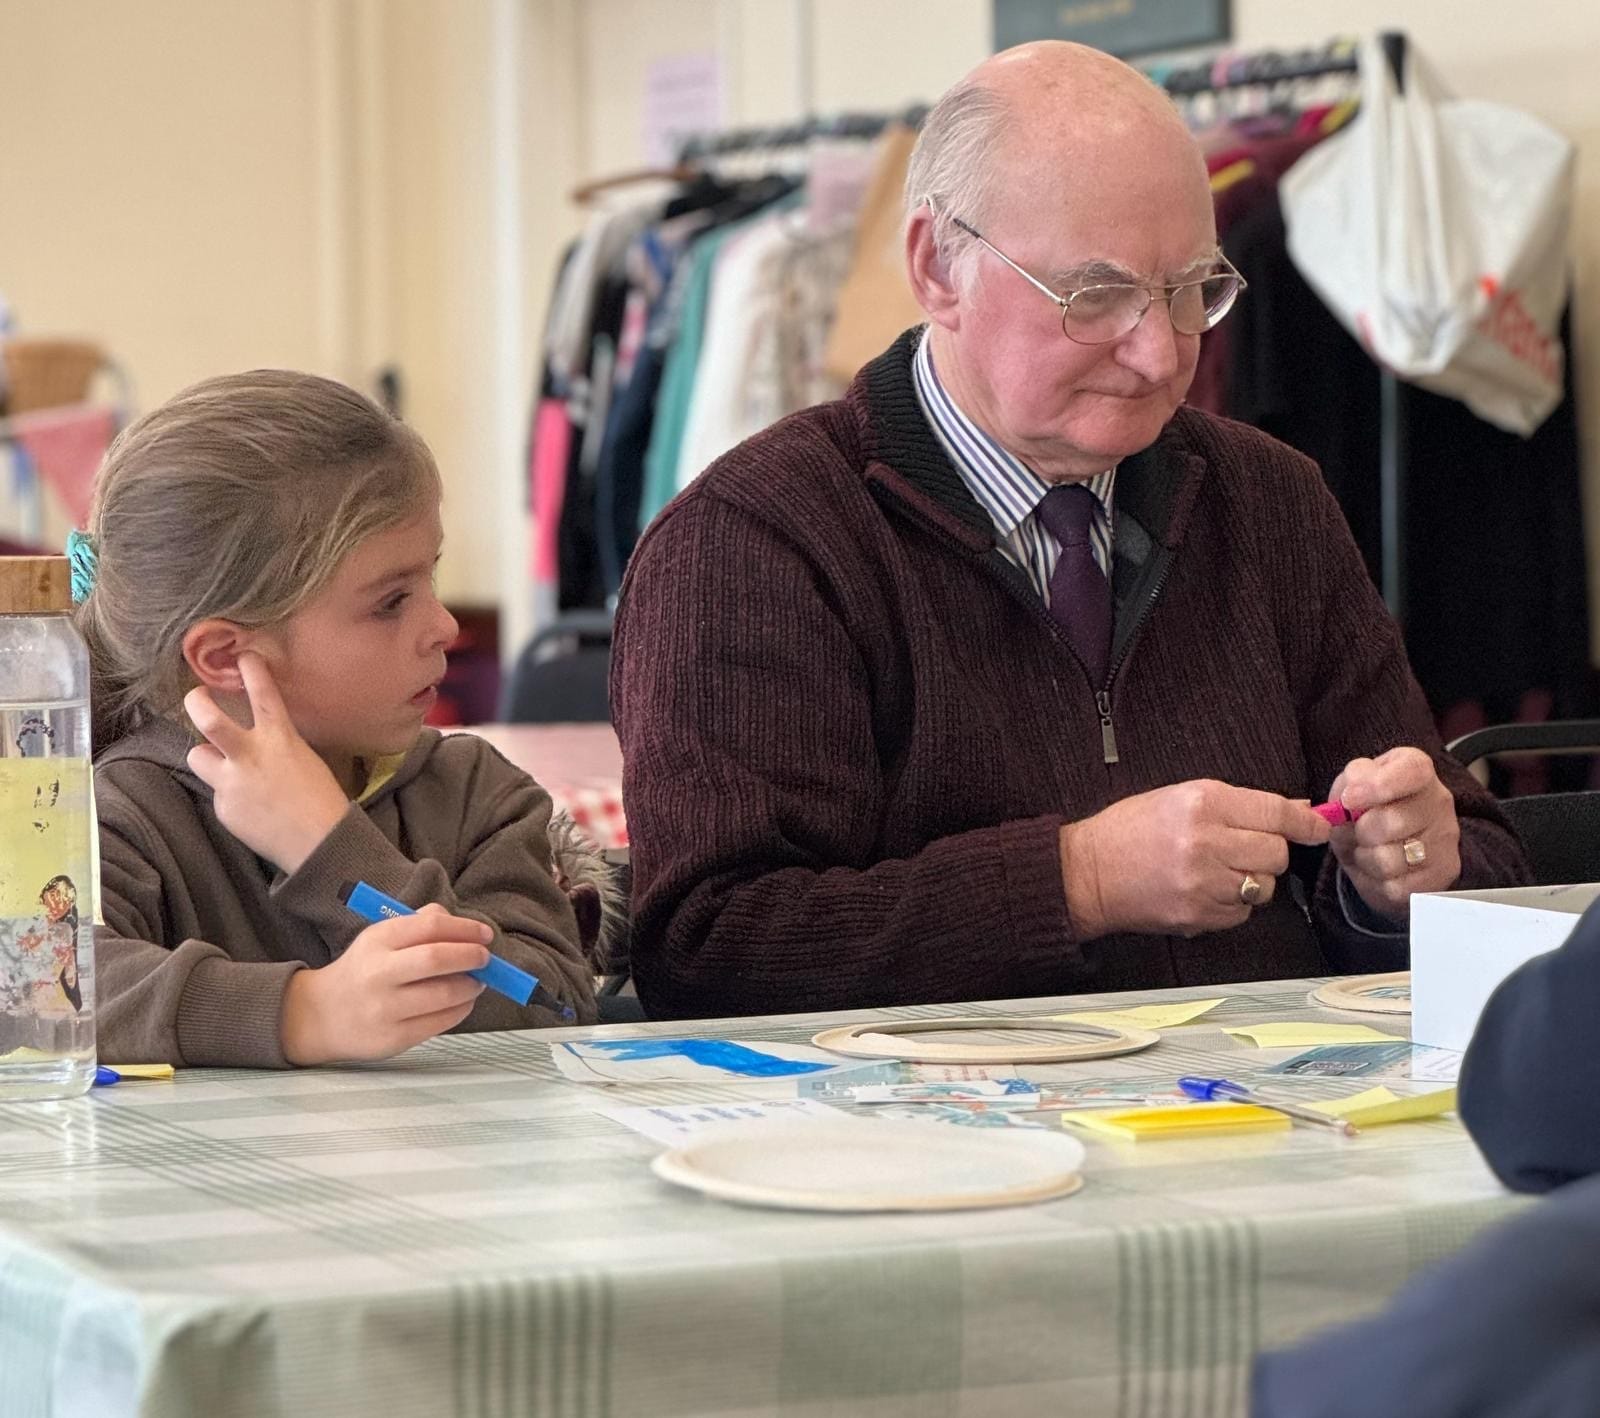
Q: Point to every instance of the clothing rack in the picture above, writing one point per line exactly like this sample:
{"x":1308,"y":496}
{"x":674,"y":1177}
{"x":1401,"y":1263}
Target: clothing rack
{"x":788,"y":135}
{"x":1264,"y":68}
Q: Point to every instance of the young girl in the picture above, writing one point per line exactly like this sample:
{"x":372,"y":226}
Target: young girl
{"x":257,"y":595}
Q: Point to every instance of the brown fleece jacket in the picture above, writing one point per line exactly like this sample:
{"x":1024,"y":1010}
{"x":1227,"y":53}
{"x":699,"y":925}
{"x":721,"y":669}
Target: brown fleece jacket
{"x":852,"y":732}
{"x":201,"y":935}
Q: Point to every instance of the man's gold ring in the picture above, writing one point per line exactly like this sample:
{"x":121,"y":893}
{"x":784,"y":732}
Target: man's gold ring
{"x":1416,"y":853}
{"x":1249,"y":890}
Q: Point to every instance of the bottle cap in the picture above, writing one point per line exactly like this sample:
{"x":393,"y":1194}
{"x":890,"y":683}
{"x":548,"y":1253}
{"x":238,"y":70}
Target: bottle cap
{"x":31,"y":585}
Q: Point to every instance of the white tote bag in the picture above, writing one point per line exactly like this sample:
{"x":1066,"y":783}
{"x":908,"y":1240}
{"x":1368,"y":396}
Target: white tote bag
{"x":1436,"y":229}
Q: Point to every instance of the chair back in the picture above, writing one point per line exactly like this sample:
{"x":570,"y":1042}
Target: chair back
{"x":1560,"y":832}
{"x":562,"y":674}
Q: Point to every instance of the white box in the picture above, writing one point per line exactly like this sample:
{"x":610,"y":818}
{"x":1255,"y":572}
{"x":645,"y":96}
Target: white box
{"x":1464,"y":943}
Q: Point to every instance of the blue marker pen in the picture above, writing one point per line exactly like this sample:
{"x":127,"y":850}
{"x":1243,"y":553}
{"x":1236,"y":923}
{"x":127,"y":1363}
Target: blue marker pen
{"x":515,"y":983}
{"x":1211,"y":1089}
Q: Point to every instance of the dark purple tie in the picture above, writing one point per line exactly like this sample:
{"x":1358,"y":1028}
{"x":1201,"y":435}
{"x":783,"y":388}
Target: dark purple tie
{"x":1080,"y":595}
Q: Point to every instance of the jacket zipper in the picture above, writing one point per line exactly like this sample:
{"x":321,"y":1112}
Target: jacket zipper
{"x":1102,"y":700}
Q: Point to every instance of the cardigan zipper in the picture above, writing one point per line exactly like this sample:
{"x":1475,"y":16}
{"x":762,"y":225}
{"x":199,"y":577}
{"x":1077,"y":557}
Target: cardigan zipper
{"x":1102,"y":700}
{"x":1108,"y":731}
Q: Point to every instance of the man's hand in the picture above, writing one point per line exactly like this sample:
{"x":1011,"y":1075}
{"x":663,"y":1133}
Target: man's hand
{"x":399,"y":982}
{"x":1408,"y":838}
{"x":269,"y":787}
{"x":1173,"y":860}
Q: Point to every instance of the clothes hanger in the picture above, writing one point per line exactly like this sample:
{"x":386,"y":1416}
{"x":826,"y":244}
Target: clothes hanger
{"x":585,"y":193}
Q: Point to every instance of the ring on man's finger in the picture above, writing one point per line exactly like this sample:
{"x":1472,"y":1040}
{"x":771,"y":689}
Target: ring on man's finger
{"x":1416,"y":852}
{"x":1250,"y":891}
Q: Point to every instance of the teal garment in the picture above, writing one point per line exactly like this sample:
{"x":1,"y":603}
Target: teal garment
{"x":683,"y":361}
{"x":677,"y":378}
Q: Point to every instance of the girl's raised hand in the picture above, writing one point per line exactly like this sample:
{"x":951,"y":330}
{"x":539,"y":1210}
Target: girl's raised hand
{"x":269,"y":787}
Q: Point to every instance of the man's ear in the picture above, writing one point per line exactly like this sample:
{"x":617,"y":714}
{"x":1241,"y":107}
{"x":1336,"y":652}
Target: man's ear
{"x":211,"y":649}
{"x":931,"y":280}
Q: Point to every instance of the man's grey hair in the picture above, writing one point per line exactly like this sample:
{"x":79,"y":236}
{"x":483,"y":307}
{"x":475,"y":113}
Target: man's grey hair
{"x":953,"y":168}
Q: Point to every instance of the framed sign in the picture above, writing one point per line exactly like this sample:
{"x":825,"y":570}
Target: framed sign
{"x":1121,"y":27}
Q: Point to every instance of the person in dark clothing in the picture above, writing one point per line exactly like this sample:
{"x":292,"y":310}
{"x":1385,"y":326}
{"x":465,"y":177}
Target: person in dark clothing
{"x":1007,"y":675}
{"x":1507,"y":1328}
{"x":1527,"y":1086}
{"x":1510,"y":1327}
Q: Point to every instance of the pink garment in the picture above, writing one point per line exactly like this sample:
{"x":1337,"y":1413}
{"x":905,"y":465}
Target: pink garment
{"x":66,"y":446}
{"x":547,"y":475}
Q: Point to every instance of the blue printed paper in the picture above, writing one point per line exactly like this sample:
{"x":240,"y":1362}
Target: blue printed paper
{"x":649,"y":1060}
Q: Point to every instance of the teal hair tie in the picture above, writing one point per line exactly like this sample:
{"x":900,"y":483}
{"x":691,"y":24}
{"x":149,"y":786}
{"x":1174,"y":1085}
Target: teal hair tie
{"x":85,"y":564}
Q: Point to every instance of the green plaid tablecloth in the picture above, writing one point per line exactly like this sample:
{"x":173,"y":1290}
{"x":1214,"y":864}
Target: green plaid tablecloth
{"x":457,"y":1234}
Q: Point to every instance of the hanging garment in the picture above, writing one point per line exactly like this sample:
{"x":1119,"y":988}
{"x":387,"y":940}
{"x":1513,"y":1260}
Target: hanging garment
{"x":732,"y":389}
{"x":875,"y":303}
{"x":1495,"y":584}
{"x":678,"y":376}
{"x":547,"y":480}
{"x":811,"y":276}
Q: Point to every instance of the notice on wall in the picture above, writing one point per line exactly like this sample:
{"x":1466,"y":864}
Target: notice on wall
{"x":682,"y":97}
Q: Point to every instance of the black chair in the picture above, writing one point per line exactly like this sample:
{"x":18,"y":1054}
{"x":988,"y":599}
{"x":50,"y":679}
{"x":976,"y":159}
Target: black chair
{"x":561,"y":675}
{"x":1560,"y":831}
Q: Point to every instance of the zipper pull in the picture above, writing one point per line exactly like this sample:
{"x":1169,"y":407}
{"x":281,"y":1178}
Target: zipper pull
{"x":1108,"y":735}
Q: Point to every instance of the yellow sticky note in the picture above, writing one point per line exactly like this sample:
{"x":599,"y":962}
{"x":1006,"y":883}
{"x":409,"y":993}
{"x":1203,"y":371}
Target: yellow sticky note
{"x":1178,"y":1120}
{"x":1303,"y":1035}
{"x":143,"y":1070}
{"x":1380,"y":1105}
{"x":1144,"y":1016}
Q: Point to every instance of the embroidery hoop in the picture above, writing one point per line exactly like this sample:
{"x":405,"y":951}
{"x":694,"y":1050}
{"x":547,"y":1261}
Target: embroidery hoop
{"x":883,"y":1039}
{"x":1356,"y":993}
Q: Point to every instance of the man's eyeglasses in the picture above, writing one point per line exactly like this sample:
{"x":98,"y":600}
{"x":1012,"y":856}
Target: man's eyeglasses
{"x":1099,"y":314}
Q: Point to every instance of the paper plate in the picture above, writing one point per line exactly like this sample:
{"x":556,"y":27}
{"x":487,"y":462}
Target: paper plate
{"x":1013,"y":1039}
{"x":1368,"y":994}
{"x":857,"y":1165}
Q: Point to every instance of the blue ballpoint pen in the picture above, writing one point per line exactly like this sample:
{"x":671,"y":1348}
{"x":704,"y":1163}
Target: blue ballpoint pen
{"x":512,"y":981}
{"x":1209,"y":1089}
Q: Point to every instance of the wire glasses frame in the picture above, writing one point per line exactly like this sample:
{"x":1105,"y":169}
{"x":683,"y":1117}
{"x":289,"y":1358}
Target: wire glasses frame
{"x":1099,"y":314}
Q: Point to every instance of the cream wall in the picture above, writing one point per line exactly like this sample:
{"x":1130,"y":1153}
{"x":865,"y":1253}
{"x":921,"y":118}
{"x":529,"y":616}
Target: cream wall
{"x":332,"y":185}
{"x":188,"y":247}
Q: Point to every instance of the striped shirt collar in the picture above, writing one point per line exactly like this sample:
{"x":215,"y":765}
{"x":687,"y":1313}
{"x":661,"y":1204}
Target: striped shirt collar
{"x":1005,"y":487}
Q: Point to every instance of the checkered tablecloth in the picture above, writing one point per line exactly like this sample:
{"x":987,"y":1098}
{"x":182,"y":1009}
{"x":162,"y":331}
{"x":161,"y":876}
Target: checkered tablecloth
{"x":595,"y":807}
{"x":457,"y":1234}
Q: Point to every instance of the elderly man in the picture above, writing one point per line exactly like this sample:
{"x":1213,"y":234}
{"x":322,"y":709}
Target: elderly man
{"x":1006,"y":675}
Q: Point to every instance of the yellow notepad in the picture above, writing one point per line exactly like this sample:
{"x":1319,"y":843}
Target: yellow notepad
{"x":1179,"y":1120}
{"x":1303,"y":1035}
{"x":1380,"y":1105}
{"x":1144,"y":1016}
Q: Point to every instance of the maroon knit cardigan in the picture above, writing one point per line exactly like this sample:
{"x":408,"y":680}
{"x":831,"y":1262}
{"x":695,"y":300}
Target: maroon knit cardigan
{"x":852,"y":732}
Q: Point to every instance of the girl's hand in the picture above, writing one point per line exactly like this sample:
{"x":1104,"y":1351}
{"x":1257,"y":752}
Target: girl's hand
{"x":270,"y":789}
{"x":399,"y":982}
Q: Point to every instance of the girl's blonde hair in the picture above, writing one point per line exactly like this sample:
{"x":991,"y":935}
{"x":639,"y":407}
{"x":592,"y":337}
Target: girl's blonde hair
{"x":236,"y":499}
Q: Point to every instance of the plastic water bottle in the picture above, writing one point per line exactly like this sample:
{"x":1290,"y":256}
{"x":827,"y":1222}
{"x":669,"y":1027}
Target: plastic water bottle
{"x":48,"y":862}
